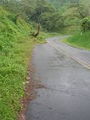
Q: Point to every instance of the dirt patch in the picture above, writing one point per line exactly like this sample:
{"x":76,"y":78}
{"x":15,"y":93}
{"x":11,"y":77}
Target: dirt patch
{"x":30,"y":93}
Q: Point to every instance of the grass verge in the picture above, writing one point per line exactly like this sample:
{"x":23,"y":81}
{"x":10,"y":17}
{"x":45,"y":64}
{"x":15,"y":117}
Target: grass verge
{"x":15,"y":50}
{"x":13,"y":71}
{"x":79,"y":40}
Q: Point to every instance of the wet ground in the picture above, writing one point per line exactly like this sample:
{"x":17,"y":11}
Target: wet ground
{"x":67,"y":92}
{"x":80,"y":55}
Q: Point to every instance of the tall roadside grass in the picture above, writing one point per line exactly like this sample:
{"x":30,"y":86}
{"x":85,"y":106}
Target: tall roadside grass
{"x":15,"y":49}
{"x":81,"y":40}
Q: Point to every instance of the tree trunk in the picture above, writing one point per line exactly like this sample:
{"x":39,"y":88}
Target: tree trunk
{"x":38,"y":31}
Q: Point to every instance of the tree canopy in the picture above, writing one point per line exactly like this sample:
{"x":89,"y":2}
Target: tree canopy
{"x":53,"y":15}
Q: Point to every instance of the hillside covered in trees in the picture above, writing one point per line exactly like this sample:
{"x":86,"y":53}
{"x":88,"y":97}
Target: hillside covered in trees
{"x":53,"y":15}
{"x":74,"y":12}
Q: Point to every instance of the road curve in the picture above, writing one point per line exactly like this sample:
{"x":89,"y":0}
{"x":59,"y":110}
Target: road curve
{"x":80,"y":55}
{"x":67,"y":92}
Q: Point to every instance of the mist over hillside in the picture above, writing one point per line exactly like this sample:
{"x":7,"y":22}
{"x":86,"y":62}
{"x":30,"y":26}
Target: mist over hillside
{"x":61,"y":3}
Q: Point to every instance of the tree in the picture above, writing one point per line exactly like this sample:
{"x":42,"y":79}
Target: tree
{"x":42,"y":7}
{"x":85,"y":24}
{"x":52,"y":22}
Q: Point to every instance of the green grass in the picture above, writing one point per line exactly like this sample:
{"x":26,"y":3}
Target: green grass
{"x":15,"y":49}
{"x":79,"y":40}
{"x":13,"y":71}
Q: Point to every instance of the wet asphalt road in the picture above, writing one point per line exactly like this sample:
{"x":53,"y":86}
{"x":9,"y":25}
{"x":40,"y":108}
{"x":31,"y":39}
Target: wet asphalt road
{"x":67,"y":96}
{"x":80,"y":55}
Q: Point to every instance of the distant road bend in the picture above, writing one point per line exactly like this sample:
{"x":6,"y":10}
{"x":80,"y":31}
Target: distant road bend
{"x":80,"y":55}
{"x":64,"y":71}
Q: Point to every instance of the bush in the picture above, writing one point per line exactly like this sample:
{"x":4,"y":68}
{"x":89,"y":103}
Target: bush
{"x":85,"y":24}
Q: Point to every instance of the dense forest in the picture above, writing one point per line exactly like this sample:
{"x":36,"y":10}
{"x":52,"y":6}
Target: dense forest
{"x":53,"y":15}
{"x":74,"y":12}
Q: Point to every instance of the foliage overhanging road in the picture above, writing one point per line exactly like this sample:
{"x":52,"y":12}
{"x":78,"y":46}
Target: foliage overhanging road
{"x":67,"y":93}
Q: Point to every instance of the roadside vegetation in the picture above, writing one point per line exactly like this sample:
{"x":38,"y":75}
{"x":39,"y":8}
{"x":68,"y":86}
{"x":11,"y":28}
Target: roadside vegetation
{"x":80,"y":40}
{"x":77,"y":21}
{"x":16,"y":44}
